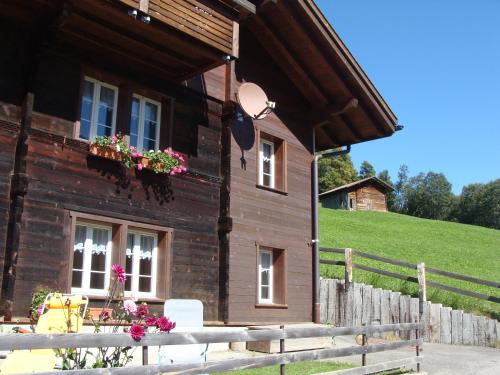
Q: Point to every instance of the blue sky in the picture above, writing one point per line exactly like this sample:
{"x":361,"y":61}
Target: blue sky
{"x":437,"y":64}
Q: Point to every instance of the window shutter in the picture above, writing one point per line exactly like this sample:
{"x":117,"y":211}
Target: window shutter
{"x":167,"y":122}
{"x":163,"y":279}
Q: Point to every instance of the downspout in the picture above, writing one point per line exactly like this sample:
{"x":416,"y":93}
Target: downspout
{"x":315,"y":224}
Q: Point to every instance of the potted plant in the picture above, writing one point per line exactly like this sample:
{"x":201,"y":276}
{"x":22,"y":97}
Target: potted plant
{"x":166,"y":161}
{"x":113,"y":148}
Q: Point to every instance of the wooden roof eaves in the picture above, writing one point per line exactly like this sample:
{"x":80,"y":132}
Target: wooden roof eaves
{"x":350,"y":62}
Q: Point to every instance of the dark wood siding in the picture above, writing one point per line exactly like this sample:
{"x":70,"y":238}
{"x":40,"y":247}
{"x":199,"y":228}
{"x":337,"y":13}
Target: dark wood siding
{"x":63,"y":177}
{"x":268,"y":218}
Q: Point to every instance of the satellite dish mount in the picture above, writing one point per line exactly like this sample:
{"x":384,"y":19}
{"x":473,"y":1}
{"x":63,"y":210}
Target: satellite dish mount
{"x":254,"y":102}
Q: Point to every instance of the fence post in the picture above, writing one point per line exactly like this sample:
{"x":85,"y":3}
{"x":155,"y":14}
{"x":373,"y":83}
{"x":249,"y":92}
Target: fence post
{"x":282,"y":350}
{"x":417,"y":347}
{"x":348,"y":268}
{"x":422,"y":288}
{"x":145,"y":355}
{"x":364,"y":342}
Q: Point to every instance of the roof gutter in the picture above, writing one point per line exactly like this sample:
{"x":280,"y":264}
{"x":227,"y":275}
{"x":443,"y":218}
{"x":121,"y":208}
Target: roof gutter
{"x":332,"y":153}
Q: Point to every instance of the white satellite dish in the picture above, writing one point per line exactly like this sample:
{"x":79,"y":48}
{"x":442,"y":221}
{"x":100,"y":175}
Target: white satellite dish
{"x":253,"y":100}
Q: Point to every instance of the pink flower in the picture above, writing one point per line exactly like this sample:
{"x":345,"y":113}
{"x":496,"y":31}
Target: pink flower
{"x":183,"y":169}
{"x":172,"y":173}
{"x":139,"y":167}
{"x":142,"y":311}
{"x":39,"y":311}
{"x":136,"y":154}
{"x":104,"y":316}
{"x":119,"y":273}
{"x":130,"y":307}
{"x":181,"y":158}
{"x":114,"y":139}
{"x":165,"y":324}
{"x":136,"y":331}
{"x":150,"y":321}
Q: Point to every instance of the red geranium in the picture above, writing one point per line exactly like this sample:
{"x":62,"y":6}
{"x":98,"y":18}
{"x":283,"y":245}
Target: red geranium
{"x":119,"y":272}
{"x":142,"y":311}
{"x":150,"y":321}
{"x":136,"y":331}
{"x":164,"y":324}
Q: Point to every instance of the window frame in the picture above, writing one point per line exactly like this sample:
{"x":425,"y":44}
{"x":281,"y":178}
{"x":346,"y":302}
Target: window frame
{"x":140,"y":131}
{"x":265,"y":250}
{"x":94,"y":112}
{"x":120,"y":225}
{"x":278,"y":277}
{"x":272,"y":174}
{"x":135,"y":265}
{"x":87,"y":259}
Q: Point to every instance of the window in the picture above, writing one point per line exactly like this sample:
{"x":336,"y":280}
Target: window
{"x":91,"y":258}
{"x":271,"y":162}
{"x":140,"y":263}
{"x":266,"y":176}
{"x":271,"y":278}
{"x":266,"y":276}
{"x":143,"y":250}
{"x":98,"y":112}
{"x":145,"y":123}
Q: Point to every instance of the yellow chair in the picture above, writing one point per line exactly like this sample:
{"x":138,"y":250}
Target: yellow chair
{"x":61,"y":314}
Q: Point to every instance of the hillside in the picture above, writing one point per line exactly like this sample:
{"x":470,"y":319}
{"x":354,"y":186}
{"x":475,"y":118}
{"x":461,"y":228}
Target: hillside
{"x":465,"y":249}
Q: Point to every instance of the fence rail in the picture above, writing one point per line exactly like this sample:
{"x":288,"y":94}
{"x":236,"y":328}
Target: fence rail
{"x":349,"y":265}
{"x":84,"y":340}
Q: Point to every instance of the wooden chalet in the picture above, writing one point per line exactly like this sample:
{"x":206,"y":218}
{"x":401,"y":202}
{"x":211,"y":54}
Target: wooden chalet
{"x":235,"y":230}
{"x":368,"y":194}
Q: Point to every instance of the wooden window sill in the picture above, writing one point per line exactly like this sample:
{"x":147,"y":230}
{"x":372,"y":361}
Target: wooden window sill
{"x":278,"y":191}
{"x":139,"y":299}
{"x":271,"y":306}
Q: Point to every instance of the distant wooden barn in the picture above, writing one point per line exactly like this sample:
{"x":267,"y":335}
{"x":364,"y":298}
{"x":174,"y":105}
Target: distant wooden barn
{"x":368,"y":194}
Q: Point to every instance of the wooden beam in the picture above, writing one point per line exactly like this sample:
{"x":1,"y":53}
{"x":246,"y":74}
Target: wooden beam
{"x":284,"y":59}
{"x":336,"y":45}
{"x":245,"y":6}
{"x":90,"y":340}
{"x":322,"y":116}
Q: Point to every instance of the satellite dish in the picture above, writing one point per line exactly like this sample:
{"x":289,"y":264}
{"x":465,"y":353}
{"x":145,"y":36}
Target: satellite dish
{"x":254,"y":101}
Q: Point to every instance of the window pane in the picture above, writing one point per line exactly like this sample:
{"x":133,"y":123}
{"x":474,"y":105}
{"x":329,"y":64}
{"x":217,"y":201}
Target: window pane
{"x":86,"y":115}
{"x":267,"y":180}
{"x":266,"y":150}
{"x":145,"y":284}
{"x":134,"y":122}
{"x":77,"y":279}
{"x":265,"y":260}
{"x":146,"y":255}
{"x":98,"y":262}
{"x":150,"y":124}
{"x":106,"y":110}
{"x":264,"y":277}
{"x":97,"y":280}
{"x":264,"y":292}
{"x":267,"y":166}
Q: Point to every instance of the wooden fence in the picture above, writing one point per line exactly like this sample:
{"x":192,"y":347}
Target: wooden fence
{"x":346,"y":303}
{"x":420,"y":279}
{"x":90,"y":340}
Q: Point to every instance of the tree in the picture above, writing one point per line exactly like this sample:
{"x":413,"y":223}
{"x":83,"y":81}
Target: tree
{"x":429,"y":196}
{"x":400,"y":188}
{"x":479,"y":204}
{"x":391,"y":195}
{"x":334,"y":172}
{"x":366,"y":170}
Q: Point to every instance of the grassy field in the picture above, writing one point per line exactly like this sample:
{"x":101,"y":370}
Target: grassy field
{"x":464,"y":249}
{"x":299,"y":368}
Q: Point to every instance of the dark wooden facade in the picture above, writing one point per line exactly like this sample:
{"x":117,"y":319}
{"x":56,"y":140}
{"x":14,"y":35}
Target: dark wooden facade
{"x":217,"y":215}
{"x":369,"y":194}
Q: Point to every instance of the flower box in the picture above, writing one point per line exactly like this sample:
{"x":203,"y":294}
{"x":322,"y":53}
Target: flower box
{"x":106,"y":152}
{"x":95,"y":312}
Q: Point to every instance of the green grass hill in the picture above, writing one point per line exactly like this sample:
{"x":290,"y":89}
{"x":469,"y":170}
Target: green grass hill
{"x":464,"y":249}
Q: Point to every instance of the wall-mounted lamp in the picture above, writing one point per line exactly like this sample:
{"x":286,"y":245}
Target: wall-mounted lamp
{"x":132,"y":13}
{"x":146,"y":19}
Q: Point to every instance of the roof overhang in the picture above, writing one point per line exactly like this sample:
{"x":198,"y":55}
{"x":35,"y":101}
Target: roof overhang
{"x":344,"y":106}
